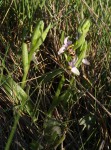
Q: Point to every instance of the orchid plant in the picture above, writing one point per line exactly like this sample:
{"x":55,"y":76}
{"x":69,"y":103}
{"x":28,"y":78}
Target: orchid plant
{"x":80,"y":45}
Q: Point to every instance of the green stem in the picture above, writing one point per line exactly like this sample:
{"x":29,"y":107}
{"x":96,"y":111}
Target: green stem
{"x":56,"y":100}
{"x":24,"y":80}
{"x":32,"y":50}
{"x":10,"y":138}
{"x":25,"y":74}
{"x":16,"y":120}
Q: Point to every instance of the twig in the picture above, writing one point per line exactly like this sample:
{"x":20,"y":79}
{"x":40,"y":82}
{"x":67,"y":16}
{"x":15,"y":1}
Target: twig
{"x":7,"y":12}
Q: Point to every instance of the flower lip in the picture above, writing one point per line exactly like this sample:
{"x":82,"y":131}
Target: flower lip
{"x":72,"y":66}
{"x":85,"y":61}
{"x":75,"y":71}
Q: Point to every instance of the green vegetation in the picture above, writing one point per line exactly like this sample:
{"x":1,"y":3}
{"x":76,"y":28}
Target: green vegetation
{"x":55,"y":78}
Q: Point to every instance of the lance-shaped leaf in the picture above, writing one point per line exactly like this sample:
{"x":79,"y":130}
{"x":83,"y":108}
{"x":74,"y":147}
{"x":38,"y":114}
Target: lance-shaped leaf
{"x":47,"y":77}
{"x":82,"y":30}
{"x":82,"y":55}
{"x":84,"y":26}
{"x":17,"y":94}
{"x":38,"y":37}
{"x":37,"y":33}
{"x":13,"y":89}
{"x":43,"y":36}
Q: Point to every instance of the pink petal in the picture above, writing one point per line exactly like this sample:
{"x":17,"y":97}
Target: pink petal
{"x":67,"y":42}
{"x":61,"y":50}
{"x":72,"y":63}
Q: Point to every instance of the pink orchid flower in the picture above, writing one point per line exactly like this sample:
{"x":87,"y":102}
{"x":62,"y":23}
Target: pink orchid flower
{"x":65,"y":45}
{"x":73,"y":68}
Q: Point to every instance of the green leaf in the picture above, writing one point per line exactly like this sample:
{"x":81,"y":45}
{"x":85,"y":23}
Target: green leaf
{"x":50,"y":75}
{"x":42,"y":3}
{"x":41,"y":39}
{"x":25,"y":57}
{"x":38,"y":38}
{"x":17,"y":94}
{"x":65,"y":97}
{"x":84,"y":26}
{"x":56,"y":100}
{"x":37,"y":33}
{"x":82,"y":54}
{"x":13,"y":89}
